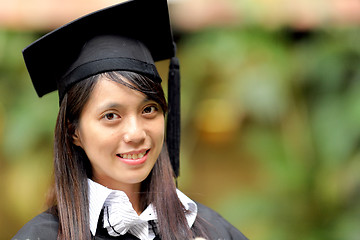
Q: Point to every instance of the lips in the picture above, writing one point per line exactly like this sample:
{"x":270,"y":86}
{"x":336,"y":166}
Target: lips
{"x":136,"y":158}
{"x":133,"y":155}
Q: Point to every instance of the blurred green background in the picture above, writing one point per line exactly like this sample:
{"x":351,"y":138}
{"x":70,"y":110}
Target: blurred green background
{"x":270,"y":128}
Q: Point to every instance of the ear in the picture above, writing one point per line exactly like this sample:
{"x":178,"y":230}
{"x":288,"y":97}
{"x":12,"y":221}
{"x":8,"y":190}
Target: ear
{"x":76,"y":138}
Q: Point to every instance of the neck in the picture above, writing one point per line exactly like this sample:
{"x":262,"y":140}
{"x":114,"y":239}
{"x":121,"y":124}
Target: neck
{"x":131,"y":190}
{"x":133,"y":193}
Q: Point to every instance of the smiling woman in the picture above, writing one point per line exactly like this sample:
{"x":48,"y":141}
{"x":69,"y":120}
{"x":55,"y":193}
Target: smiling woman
{"x":114,"y":178}
{"x":121,"y":131}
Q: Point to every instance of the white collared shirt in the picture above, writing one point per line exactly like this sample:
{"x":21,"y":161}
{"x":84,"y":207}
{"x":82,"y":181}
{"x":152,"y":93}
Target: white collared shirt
{"x":101,"y":196}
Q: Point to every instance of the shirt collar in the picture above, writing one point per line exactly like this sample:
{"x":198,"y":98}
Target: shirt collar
{"x":98,"y":194}
{"x":97,"y":197}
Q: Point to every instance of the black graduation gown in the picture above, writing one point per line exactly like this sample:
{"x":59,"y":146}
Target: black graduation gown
{"x":45,"y":227}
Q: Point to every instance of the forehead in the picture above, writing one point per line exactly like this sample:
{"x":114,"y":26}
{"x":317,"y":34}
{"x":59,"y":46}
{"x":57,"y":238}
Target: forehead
{"x":108,"y":92}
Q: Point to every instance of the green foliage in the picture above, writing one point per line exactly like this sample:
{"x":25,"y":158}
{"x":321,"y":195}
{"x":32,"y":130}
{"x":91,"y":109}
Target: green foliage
{"x":27,"y":121}
{"x":297,"y":106}
{"x":26,"y":133}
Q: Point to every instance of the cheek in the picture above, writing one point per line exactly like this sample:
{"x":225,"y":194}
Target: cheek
{"x":92,"y":136}
{"x":156,"y":131}
{"x":159,"y":130}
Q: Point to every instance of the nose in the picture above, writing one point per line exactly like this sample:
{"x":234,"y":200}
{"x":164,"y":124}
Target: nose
{"x":134,"y":131}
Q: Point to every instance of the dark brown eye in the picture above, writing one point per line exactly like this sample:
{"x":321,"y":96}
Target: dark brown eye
{"x":111,"y":116}
{"x":150,"y":109}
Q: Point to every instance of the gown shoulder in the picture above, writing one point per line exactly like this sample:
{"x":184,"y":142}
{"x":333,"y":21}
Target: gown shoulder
{"x":216,"y":226}
{"x":43,"y":226}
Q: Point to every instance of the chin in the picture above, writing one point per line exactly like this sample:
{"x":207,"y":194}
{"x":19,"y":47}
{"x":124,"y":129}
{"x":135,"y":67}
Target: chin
{"x":137,"y":179}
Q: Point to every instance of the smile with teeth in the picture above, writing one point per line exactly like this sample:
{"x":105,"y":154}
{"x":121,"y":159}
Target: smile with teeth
{"x":133,"y":156}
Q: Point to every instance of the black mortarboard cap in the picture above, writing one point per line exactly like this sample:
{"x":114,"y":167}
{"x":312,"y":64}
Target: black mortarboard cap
{"x":129,"y":36}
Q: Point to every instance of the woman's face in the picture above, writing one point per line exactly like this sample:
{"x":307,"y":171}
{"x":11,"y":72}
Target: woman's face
{"x":121,"y":132}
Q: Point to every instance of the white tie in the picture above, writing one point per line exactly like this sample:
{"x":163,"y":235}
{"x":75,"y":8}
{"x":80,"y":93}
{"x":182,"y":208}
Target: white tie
{"x":120,"y":217}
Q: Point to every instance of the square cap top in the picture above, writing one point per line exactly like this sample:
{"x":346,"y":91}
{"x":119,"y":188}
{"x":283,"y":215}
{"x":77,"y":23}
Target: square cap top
{"x":127,"y":36}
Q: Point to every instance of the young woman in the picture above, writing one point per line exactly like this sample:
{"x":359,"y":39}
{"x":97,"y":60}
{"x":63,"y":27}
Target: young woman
{"x":113,"y":175}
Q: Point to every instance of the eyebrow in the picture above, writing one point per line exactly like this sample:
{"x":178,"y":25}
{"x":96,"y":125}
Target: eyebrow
{"x":108,"y":106}
{"x":115,"y":105}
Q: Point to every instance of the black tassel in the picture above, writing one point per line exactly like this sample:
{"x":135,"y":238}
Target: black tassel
{"x":173,"y":119}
